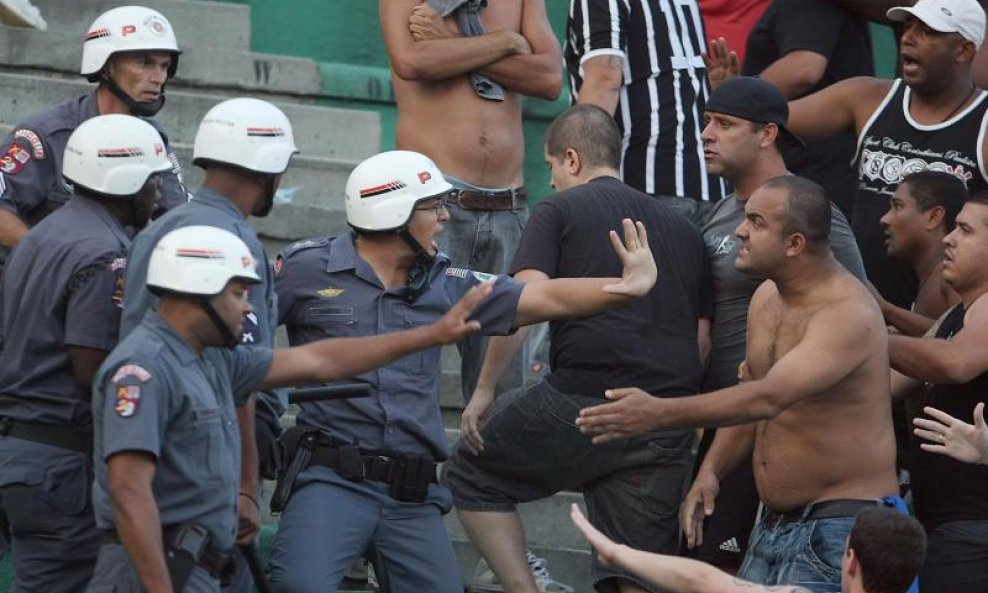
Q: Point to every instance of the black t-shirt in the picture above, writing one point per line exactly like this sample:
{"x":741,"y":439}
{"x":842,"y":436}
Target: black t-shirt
{"x":650,"y":343}
{"x":945,"y":489}
{"x":823,"y":28}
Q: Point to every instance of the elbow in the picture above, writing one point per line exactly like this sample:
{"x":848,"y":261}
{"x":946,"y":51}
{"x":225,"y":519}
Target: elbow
{"x":954,"y":371}
{"x":408,"y":68}
{"x":767,"y":403}
{"x":551,"y":85}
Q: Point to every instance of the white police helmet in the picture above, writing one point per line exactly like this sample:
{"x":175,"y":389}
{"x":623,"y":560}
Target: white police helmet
{"x":199,"y":260}
{"x":114,"y":155}
{"x":383,"y":190}
{"x":248,"y":133}
{"x":123,"y":29}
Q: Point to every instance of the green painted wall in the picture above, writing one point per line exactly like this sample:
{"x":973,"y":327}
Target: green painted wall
{"x":343,"y":35}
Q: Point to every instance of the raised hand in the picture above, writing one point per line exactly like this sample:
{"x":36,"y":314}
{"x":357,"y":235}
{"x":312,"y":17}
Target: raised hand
{"x":722,"y":63}
{"x":455,"y":324}
{"x":640,"y":273}
{"x":956,"y":438}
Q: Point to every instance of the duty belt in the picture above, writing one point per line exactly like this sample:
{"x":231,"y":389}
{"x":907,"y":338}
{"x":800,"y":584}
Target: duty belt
{"x":507,"y":199}
{"x":62,"y":436}
{"x":216,"y":562}
{"x":828,"y":509}
{"x":360,"y":465}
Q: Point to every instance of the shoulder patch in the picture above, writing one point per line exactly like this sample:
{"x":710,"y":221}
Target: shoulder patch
{"x":131,"y":370}
{"x":484,"y":277}
{"x":13,"y":159}
{"x":37,"y":148}
{"x":457,"y":272}
{"x":128,"y":398}
{"x":303,"y":245}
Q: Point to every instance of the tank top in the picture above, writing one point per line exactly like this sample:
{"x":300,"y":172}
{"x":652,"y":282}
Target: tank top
{"x":945,"y":489}
{"x":892,"y":145}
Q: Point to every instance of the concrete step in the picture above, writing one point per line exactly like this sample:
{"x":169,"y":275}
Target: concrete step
{"x":216,"y":68}
{"x":319,"y":131}
{"x":196,"y":24}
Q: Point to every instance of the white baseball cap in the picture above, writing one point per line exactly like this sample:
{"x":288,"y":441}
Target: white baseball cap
{"x":965,"y":17}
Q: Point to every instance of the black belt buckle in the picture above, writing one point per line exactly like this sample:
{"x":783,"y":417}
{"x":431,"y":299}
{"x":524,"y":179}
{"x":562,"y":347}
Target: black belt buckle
{"x":351,"y":463}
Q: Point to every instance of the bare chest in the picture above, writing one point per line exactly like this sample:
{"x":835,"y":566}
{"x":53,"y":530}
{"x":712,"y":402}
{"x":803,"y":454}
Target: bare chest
{"x":773,"y":331}
{"x":502,"y":15}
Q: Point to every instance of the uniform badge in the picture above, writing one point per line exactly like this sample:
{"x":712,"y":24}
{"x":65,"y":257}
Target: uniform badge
{"x":128,"y":398}
{"x":14,"y":159}
{"x":457,"y":272}
{"x":330,"y":292}
{"x":131,"y":370}
{"x":484,"y":277}
{"x":37,"y":148}
{"x":118,"y":292}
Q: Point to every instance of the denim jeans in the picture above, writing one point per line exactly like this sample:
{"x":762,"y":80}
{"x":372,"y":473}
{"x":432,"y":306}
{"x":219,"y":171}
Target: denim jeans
{"x":484,"y":241}
{"x":806,"y":553}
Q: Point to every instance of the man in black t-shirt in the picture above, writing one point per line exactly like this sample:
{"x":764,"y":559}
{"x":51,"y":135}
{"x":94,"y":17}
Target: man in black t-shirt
{"x":524,"y":446}
{"x":802,"y":46}
{"x":952,"y":361}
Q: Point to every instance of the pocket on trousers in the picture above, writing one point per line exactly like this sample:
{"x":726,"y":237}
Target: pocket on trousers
{"x":34,"y":497}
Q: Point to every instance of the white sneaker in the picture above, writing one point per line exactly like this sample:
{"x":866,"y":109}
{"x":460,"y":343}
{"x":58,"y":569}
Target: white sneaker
{"x":485,"y":581}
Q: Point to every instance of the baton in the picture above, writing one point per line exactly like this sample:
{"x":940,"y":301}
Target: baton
{"x":256,"y":569}
{"x":326,"y":392}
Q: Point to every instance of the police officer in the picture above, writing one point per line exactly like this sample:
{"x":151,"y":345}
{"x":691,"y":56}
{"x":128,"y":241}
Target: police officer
{"x":166,"y":445}
{"x":245,"y":146}
{"x":368,"y":466}
{"x":60,"y":311}
{"x":131,"y":52}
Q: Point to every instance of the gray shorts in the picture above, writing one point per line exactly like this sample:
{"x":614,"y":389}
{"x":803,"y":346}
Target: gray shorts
{"x":533,"y":449}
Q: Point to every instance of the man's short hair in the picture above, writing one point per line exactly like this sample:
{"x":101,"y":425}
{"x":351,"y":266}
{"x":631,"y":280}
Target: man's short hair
{"x":807,"y":210}
{"x":590,"y":131}
{"x":889,"y":546}
{"x":937,"y":188}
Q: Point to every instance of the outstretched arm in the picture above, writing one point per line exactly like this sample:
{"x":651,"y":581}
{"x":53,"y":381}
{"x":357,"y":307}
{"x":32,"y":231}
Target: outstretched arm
{"x":333,"y":359}
{"x":680,"y":575}
{"x":957,"y":360}
{"x":561,"y":298}
{"x":440,"y":58}
{"x":836,"y":341}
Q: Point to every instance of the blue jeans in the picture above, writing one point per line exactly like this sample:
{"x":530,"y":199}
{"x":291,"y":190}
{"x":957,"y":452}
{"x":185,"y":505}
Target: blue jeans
{"x":484,"y":241}
{"x":330,"y":522}
{"x":806,"y":553}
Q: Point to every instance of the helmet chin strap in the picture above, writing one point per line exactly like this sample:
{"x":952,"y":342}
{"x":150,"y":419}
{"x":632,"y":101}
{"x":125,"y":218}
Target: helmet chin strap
{"x":418,"y":273}
{"x":229,"y":340}
{"x":269,"y":200}
{"x":141,"y":108}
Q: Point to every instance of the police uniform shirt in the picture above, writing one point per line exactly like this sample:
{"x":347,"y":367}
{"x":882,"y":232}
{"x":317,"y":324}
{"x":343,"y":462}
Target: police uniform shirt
{"x":206,"y":208}
{"x":31,"y":182}
{"x":154,"y":394}
{"x":326,"y":290}
{"x":63,"y":287}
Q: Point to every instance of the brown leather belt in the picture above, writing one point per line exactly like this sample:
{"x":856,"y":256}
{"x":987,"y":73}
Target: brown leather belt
{"x":506,"y":199}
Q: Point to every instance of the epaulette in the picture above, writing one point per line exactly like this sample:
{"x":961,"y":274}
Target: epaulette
{"x":304,"y":244}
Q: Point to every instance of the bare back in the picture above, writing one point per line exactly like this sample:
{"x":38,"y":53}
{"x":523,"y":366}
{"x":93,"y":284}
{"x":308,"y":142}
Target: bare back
{"x":838,"y":441}
{"x":477,"y":140}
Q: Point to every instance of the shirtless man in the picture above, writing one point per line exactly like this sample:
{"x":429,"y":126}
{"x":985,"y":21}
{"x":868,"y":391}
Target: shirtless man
{"x":474,"y":136}
{"x":929,"y":119}
{"x":921,"y":213}
{"x":815,"y":379}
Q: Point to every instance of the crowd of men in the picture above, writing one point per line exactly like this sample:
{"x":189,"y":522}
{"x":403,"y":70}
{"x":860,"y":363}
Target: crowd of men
{"x":730,"y":342}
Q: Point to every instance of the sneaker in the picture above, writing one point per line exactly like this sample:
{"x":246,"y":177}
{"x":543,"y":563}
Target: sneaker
{"x":485,"y":581}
